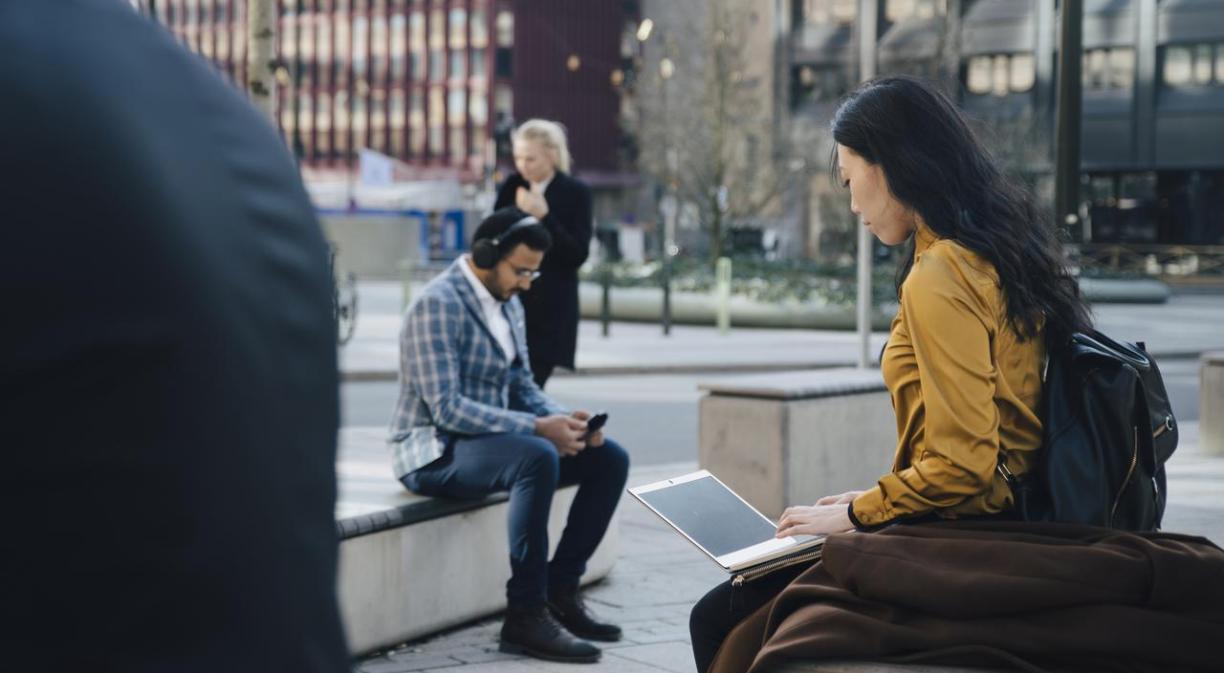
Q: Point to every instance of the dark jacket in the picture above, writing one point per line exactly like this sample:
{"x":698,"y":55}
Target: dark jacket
{"x":168,"y":387}
{"x":1032,"y":597}
{"x":552,"y":302}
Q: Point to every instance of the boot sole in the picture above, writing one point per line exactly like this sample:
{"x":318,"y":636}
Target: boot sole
{"x":511,"y":648}
{"x":596,"y":637}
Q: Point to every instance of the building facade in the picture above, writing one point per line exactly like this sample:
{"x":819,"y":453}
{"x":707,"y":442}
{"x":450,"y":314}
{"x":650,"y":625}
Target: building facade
{"x":1153,"y":96}
{"x":436,"y":84}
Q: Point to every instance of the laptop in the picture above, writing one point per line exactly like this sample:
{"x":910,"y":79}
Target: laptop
{"x":723,"y":525}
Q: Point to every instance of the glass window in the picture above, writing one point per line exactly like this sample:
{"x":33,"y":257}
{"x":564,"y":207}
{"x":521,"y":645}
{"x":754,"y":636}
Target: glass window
{"x":455,"y":107}
{"x":359,"y":122}
{"x":378,"y":121}
{"x":416,"y":40}
{"x":361,"y":36}
{"x":1095,"y":64}
{"x":477,"y":145}
{"x":324,"y":46}
{"x":478,"y":64}
{"x":286,"y":118}
{"x":480,"y":29}
{"x":1122,"y":68}
{"x":344,"y":35}
{"x":503,"y":62}
{"x":437,"y":28}
{"x":458,"y":28}
{"x":437,"y":64}
{"x":1202,"y":64}
{"x":416,"y":29}
{"x":926,"y":9}
{"x":503,"y":100}
{"x":505,"y":28}
{"x":397,"y":123}
{"x":342,"y":121}
{"x":458,"y":64}
{"x":416,"y":123}
{"x":378,"y":41}
{"x":457,"y":150}
{"x":436,"y":113}
{"x":898,"y":10}
{"x":1177,"y":66}
{"x":1023,"y":73}
{"x":399,"y":45}
{"x":1000,"y":71}
{"x":844,"y":11}
{"x":306,"y":113}
{"x":478,"y":107}
{"x":306,"y":35}
{"x":977,"y":75}
{"x":397,"y":109}
{"x":323,"y":124}
{"x":1219,"y":63}
{"x":287,"y":37}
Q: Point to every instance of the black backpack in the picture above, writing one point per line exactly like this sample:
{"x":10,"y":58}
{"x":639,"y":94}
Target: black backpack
{"x":1108,"y":430}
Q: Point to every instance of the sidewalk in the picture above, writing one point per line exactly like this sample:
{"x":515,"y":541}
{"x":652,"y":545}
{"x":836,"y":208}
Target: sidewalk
{"x":1185,"y":326}
{"x":659,"y":576}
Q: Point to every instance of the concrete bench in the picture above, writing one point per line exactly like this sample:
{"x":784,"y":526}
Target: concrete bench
{"x":791,"y":437}
{"x":412,"y":565}
{"x":1211,"y":403}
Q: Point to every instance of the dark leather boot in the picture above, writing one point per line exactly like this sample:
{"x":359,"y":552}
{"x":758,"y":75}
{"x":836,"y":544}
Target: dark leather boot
{"x":533,"y":631}
{"x":566,"y":605}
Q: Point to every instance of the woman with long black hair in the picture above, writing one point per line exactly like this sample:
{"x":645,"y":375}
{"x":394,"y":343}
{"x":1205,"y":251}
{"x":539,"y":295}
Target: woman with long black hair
{"x":984,"y":290}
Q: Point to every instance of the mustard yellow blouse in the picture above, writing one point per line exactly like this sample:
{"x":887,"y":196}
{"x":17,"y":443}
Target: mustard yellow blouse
{"x":964,"y":387}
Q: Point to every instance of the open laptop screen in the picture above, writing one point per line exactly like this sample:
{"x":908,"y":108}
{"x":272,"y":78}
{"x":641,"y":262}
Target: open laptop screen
{"x":713,"y":516}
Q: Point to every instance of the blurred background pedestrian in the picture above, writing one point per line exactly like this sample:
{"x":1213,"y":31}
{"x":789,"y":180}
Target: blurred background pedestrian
{"x":542,"y":186}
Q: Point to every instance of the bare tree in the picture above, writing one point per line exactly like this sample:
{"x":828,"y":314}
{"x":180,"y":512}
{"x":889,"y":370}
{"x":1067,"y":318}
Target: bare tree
{"x":707,"y":117}
{"x":261,"y":54}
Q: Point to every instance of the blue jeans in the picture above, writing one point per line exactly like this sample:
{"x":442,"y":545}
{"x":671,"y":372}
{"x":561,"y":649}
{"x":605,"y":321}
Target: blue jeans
{"x":531,"y":469}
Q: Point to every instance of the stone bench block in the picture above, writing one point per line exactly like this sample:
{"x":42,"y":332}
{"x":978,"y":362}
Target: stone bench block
{"x":412,"y":565}
{"x":791,"y":437}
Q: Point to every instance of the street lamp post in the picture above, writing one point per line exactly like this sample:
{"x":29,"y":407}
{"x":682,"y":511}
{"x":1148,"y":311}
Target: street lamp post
{"x":668,"y":204}
{"x":1067,"y":126}
{"x":667,"y":239}
{"x":868,"y":27}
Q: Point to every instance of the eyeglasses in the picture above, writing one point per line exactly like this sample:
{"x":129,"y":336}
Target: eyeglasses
{"x":529,"y":274}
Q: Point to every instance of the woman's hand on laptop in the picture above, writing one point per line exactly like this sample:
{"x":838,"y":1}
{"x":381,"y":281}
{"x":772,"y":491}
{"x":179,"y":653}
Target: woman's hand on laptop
{"x":814,"y":520}
{"x":843,"y":499}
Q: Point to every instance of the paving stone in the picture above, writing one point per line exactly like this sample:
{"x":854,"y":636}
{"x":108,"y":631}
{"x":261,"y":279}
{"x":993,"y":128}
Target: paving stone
{"x":405,"y":662}
{"x":484,"y":655}
{"x":676,"y":657}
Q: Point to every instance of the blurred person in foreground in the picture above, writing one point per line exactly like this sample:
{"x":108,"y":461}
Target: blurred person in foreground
{"x":168,"y":386}
{"x":983,"y":290}
{"x":543,"y":187}
{"x":470,"y":421}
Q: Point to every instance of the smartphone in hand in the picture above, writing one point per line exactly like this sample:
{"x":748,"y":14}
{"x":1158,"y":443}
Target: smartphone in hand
{"x":594,"y":424}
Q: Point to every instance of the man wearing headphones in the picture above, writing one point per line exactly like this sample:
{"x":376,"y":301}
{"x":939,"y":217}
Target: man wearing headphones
{"x":470,"y":421}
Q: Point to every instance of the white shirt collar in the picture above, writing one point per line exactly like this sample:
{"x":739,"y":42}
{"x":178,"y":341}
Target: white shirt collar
{"x":491,"y":307}
{"x":544,"y":185}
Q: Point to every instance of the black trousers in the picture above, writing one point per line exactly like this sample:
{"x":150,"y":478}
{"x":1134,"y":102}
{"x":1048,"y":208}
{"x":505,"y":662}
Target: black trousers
{"x":530,"y":468}
{"x":541,"y":370}
{"x":725,"y":606}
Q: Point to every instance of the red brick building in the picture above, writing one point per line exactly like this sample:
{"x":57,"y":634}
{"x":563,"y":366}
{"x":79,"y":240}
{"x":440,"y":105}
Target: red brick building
{"x":429,"y":82}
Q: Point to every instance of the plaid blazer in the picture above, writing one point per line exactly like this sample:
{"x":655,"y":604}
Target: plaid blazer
{"x":454,"y":377}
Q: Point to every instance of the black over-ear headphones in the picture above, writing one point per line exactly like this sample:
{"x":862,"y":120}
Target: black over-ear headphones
{"x":487,"y":252}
